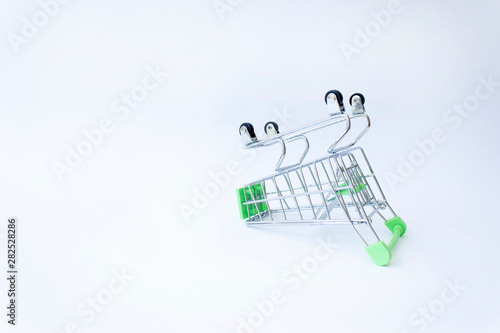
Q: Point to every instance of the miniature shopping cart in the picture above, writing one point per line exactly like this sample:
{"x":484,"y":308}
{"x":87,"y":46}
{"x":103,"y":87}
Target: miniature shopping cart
{"x":340,"y":188}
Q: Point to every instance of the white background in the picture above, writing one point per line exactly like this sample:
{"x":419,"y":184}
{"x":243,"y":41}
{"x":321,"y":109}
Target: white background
{"x":119,"y":209}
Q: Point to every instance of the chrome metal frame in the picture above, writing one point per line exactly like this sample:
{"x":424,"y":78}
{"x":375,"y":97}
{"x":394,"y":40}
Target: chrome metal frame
{"x":340,"y":188}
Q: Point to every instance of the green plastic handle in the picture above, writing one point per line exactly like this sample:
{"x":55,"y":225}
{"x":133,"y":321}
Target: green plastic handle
{"x":380,"y":252}
{"x":398,"y":231}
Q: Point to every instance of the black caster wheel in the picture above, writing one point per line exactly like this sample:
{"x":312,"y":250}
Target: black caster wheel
{"x":271,"y":128}
{"x":337,"y":94}
{"x":248,"y":128}
{"x":360,"y":96}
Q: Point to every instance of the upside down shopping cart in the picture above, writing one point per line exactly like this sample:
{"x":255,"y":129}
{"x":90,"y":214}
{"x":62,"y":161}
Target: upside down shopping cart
{"x":340,"y":188}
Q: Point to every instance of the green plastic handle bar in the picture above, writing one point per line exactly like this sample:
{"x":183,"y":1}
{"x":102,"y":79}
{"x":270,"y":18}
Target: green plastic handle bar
{"x":380,"y":252}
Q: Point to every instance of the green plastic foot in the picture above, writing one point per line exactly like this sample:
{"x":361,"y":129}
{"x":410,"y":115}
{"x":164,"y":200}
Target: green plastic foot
{"x":394,"y":223}
{"x":248,"y":211}
{"x":358,"y":189}
{"x":379,"y":252}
